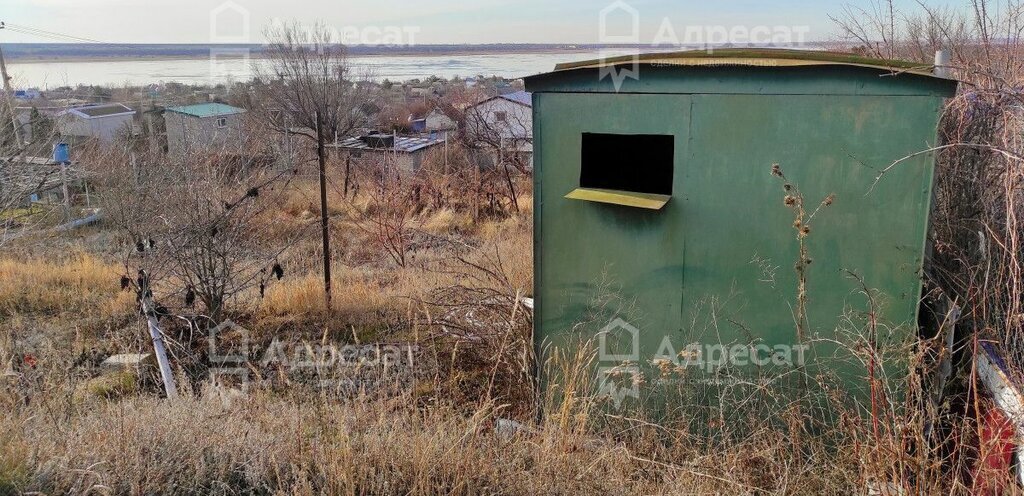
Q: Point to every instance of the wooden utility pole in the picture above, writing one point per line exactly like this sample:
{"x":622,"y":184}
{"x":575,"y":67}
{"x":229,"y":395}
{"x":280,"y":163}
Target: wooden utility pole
{"x":348,"y":171}
{"x":65,"y":191}
{"x":7,"y":95}
{"x":323,"y":209}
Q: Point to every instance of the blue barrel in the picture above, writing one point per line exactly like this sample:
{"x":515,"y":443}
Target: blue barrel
{"x":61,"y":154}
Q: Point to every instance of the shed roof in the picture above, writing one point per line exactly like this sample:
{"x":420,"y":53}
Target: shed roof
{"x":404,"y":144}
{"x":105,"y":110}
{"x":754,"y":57}
{"x":206,"y":110}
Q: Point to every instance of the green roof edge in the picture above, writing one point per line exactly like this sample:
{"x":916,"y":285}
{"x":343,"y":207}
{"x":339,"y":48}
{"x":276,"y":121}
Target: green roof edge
{"x":767,"y":53}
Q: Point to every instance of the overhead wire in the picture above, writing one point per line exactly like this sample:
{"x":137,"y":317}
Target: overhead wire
{"x":15,"y":30}
{"x":52,"y":35}
{"x":35,"y":34}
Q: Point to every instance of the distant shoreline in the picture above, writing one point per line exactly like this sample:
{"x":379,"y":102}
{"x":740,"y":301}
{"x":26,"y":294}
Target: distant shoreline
{"x":51,"y":53}
{"x":47,"y":66}
{"x":139,"y":58}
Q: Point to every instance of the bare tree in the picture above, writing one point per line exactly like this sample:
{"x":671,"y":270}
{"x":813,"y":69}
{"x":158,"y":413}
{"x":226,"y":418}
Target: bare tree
{"x":307,"y":84}
{"x":305,"y":72}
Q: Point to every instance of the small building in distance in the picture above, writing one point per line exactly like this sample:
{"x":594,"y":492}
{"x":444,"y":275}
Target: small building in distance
{"x":504,"y":124}
{"x":203,"y":128}
{"x":27,"y":94}
{"x":101,"y":122}
{"x":417,"y":124}
{"x":439,"y":123}
{"x":404,"y":153}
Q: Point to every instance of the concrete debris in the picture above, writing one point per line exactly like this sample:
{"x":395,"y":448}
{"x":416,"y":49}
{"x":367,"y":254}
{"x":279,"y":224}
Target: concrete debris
{"x":128,"y":361}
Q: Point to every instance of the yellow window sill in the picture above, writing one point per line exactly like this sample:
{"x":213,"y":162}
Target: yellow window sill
{"x":625,"y":198}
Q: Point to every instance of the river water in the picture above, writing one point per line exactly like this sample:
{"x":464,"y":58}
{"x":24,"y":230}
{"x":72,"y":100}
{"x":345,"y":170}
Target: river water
{"x":215,"y":70}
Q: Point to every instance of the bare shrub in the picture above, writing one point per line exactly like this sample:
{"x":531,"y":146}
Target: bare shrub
{"x":196,"y":227}
{"x":389,"y":214}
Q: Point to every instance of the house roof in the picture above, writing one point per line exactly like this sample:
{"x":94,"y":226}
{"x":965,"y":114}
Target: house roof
{"x":404,"y":144}
{"x":105,"y":110}
{"x":521,"y":97}
{"x":755,"y":57}
{"x":26,"y":159}
{"x":206,"y":110}
{"x":451,"y":112}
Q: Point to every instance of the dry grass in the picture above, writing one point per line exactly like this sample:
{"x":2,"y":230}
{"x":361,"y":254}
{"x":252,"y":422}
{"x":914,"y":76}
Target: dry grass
{"x":381,"y":294}
{"x":420,"y":442}
{"x":357,"y":299}
{"x":78,"y":283}
{"x":446,"y":220}
{"x":264,"y":444}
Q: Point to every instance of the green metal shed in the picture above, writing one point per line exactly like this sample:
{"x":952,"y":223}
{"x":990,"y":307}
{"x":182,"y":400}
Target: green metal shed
{"x":654,"y":182}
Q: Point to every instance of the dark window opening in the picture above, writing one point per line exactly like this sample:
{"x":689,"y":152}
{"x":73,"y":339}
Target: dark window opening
{"x":639,"y":163}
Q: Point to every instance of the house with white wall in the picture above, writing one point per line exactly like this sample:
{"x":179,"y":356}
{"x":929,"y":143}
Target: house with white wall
{"x":203,"y":128}
{"x":440,"y":124}
{"x":503,"y":123}
{"x":102,"y":122}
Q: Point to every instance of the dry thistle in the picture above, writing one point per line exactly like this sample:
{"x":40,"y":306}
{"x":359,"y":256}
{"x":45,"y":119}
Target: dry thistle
{"x":688,"y":354}
{"x":665,"y":366}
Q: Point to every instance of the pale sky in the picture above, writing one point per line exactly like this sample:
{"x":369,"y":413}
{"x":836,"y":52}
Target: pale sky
{"x":428,"y":21}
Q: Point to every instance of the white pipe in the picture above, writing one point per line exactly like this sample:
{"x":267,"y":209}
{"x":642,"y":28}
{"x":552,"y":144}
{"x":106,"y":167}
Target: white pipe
{"x":942,"y":67}
{"x":158,"y":346}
